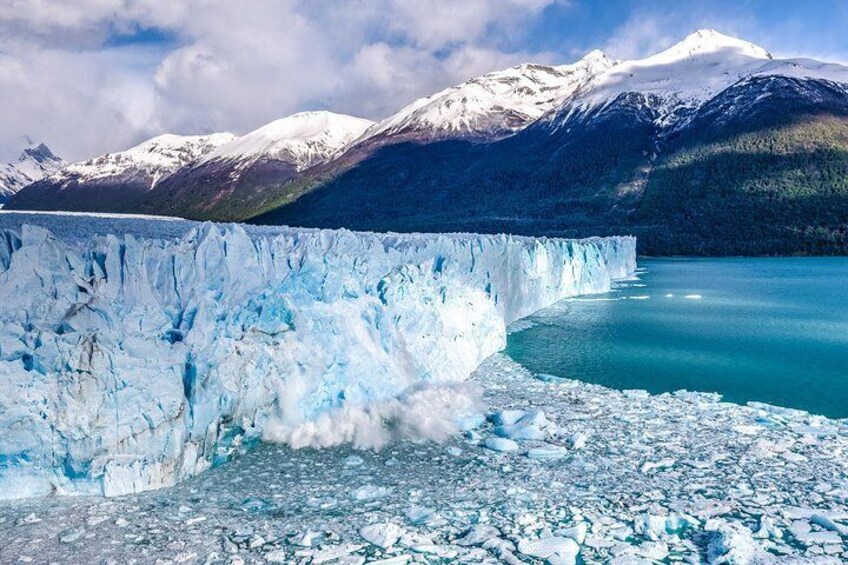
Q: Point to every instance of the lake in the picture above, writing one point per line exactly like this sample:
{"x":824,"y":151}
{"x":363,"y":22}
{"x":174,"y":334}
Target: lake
{"x":769,"y":330}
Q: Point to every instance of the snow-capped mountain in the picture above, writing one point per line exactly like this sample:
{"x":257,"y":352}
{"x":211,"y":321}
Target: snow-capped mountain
{"x":683,"y":77}
{"x":227,"y":178}
{"x":117,"y":181}
{"x":302,"y":139}
{"x":689,"y":72}
{"x":151,"y":160}
{"x":580,"y":149}
{"x":711,"y":146}
{"x":494,"y":104}
{"x":34,"y":164}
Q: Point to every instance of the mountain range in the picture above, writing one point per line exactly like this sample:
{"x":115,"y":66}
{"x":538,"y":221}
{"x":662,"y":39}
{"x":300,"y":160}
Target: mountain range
{"x":712,"y":146}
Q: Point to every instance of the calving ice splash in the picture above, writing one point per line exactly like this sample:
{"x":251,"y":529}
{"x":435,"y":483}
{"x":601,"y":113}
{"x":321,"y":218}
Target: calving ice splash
{"x":132,"y":361}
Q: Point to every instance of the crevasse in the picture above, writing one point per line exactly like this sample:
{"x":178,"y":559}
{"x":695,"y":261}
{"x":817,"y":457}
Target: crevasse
{"x":130,"y":362}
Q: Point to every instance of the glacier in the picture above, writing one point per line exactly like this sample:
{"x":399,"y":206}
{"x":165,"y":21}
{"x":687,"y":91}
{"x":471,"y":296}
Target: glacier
{"x":137,"y":352}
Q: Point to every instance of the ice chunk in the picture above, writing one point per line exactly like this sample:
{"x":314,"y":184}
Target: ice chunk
{"x":547,"y":452}
{"x":334,"y":553}
{"x":532,"y":426}
{"x":521,"y":432}
{"x":768,"y":529}
{"x":419,"y":515}
{"x":500,"y":444}
{"x":507,"y":417}
{"x":733,"y":544}
{"x":478,"y":535}
{"x":578,"y":440}
{"x":577,"y":532}
{"x":383,"y":535}
{"x":828,"y":524}
{"x":371,"y":492}
{"x":470,"y":422}
{"x":650,"y":526}
{"x":562,"y":549}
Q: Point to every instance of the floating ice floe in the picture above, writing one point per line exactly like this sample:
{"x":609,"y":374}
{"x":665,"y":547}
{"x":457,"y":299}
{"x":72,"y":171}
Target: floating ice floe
{"x":382,"y":535}
{"x":557,"y":550}
{"x":500,"y":444}
{"x":547,"y":452}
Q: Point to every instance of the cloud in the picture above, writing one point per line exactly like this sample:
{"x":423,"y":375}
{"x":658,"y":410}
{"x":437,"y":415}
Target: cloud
{"x":233,"y":65}
{"x":641,"y":35}
{"x":75,"y":99}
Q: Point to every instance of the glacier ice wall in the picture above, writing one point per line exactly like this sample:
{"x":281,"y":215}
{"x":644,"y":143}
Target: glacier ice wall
{"x":128,"y":362}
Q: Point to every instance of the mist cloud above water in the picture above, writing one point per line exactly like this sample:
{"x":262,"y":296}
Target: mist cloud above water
{"x":426,"y":413}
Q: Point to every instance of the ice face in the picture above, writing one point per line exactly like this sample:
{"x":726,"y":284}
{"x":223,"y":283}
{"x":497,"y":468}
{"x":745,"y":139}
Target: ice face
{"x":130,"y":362}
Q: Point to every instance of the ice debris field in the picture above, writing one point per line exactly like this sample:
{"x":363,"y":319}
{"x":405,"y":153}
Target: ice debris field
{"x":603,"y":476}
{"x":529,"y":468}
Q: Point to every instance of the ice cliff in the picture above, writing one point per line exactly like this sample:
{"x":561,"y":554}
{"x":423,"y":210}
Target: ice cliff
{"x":128,"y":362}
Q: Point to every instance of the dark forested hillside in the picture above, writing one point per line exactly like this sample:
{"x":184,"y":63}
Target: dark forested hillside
{"x":768,"y":177}
{"x":583,"y":175}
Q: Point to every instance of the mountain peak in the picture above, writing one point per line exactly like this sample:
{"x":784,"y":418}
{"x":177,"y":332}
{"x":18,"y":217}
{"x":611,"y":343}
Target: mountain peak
{"x":595,"y":55}
{"x":35,"y":163}
{"x":305,"y":138}
{"x":595,"y":61}
{"x":39,"y":153}
{"x":709,"y":41}
{"x":312,"y":125}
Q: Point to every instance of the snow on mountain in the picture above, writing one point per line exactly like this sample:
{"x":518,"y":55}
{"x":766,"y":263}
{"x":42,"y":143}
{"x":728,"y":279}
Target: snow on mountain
{"x":303,"y":139}
{"x":803,"y":68}
{"x":132,"y":361}
{"x":34,"y":164}
{"x":687,"y":73}
{"x":37,"y":162}
{"x":691,"y":72}
{"x":11,"y":181}
{"x":494,"y":104}
{"x":154,"y":159}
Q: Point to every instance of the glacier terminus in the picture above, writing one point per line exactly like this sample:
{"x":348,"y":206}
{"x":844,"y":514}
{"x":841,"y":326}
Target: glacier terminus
{"x":135,"y":358}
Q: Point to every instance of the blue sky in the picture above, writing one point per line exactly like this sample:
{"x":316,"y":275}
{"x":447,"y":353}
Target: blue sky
{"x":785,"y":27}
{"x":92,"y":76}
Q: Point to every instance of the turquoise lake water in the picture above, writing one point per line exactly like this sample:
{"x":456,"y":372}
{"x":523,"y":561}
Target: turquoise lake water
{"x":770,"y":330}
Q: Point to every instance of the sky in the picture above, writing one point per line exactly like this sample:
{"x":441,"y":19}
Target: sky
{"x":91,"y":76}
